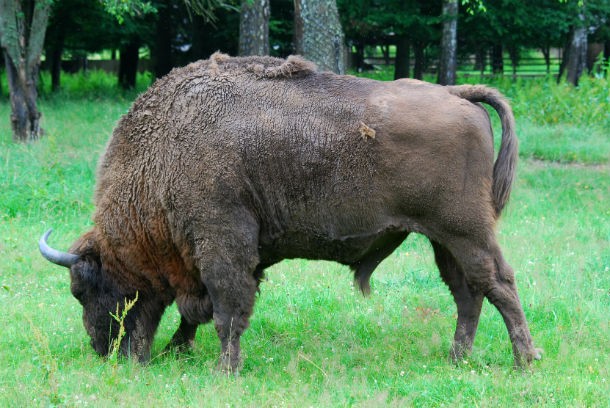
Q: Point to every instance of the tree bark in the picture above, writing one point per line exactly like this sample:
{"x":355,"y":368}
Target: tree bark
{"x":254,"y":27}
{"x":318,"y":34}
{"x":448,"y":60}
{"x":22,"y":30}
{"x":402,"y":63}
{"x":577,"y":56}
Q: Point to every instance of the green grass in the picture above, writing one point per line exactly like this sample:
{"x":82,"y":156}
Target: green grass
{"x":314,"y":340}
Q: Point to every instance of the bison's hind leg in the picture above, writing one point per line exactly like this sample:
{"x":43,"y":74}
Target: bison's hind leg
{"x":184,"y":337}
{"x":486,"y":270}
{"x":467,"y":299}
{"x":194,"y":309}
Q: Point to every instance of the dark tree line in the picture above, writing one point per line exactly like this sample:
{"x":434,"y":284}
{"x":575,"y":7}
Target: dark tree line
{"x":422,"y":31}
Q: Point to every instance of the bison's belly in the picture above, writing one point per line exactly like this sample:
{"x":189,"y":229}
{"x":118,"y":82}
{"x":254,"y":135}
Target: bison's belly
{"x":346,"y":249}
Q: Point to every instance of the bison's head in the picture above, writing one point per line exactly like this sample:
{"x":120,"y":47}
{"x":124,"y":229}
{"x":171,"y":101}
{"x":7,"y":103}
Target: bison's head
{"x":92,"y":286}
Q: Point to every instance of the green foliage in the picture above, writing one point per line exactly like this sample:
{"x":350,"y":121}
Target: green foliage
{"x":138,"y":8}
{"x":207,"y":8}
{"x":314,"y":340}
{"x":132,"y":8}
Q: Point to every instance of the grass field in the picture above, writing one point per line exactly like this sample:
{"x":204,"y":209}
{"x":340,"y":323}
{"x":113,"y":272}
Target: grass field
{"x":314,"y":340}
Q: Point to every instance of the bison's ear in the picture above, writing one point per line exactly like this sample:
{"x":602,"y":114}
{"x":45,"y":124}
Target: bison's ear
{"x":84,"y":278}
{"x":89,"y":264}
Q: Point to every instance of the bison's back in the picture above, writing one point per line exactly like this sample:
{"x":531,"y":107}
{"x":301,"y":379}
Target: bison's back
{"x":307,"y":152}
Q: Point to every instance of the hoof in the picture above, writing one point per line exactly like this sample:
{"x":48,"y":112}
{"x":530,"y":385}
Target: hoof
{"x":179,"y":347}
{"x":229,"y":365}
{"x":459,"y":352}
{"x":523,"y":360}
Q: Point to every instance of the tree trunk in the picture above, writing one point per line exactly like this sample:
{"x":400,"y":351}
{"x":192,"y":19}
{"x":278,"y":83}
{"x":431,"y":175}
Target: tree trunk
{"x":515,"y":57}
{"x":385,"y":49}
{"x":163,"y":61}
{"x":402,"y":63}
{"x":480,"y":60}
{"x":128,"y":65}
{"x":420,"y":63}
{"x":546,"y":52}
{"x":359,"y":56}
{"x":318,"y":34}
{"x":565,"y":55}
{"x":254,"y":27}
{"x":25,"y":117}
{"x":448,"y":60}
{"x":22,"y":29}
{"x":577,"y":56}
{"x":55,"y":40}
{"x":55,"y":62}
{"x":497,"y":59}
{"x":199,"y":33}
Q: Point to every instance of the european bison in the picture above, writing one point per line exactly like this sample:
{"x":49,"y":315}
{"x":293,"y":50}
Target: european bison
{"x":230,"y":165}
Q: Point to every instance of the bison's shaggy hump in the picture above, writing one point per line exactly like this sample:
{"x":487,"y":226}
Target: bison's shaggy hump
{"x":262,"y":67}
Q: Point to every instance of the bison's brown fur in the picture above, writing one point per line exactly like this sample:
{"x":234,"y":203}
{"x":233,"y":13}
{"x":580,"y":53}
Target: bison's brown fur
{"x":227,"y":166}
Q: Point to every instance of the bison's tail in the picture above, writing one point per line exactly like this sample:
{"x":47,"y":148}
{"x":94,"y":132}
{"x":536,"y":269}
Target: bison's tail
{"x":504,"y":168}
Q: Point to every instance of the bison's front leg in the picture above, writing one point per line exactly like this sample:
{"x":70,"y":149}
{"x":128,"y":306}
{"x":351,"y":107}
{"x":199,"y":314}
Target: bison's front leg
{"x":228,"y":265}
{"x":233,"y":301}
{"x":140,"y":326}
{"x":230,"y":328}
